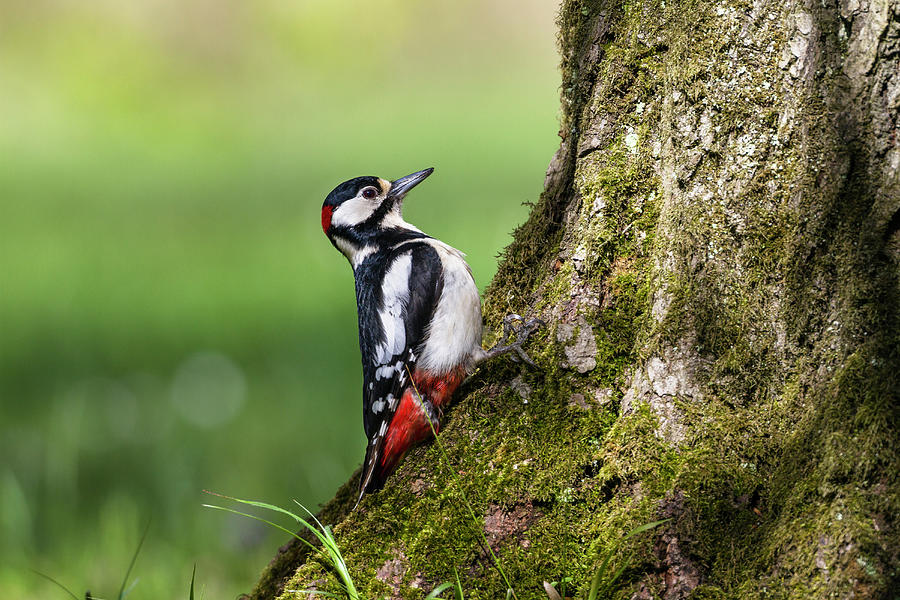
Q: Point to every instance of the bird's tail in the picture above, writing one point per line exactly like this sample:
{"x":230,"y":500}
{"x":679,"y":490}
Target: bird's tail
{"x":381,"y":459}
{"x":409,"y":426}
{"x":372,"y":477}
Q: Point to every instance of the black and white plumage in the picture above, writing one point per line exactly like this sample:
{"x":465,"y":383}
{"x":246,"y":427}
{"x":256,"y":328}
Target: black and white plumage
{"x":419,"y":314}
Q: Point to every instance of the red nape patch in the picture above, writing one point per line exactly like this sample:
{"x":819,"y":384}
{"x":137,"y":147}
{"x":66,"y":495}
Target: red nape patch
{"x":326,"y":217}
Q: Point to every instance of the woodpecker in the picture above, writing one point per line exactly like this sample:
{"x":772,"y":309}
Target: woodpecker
{"x":419,"y":318}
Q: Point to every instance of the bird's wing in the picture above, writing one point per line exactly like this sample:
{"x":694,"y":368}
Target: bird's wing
{"x":408,"y":296}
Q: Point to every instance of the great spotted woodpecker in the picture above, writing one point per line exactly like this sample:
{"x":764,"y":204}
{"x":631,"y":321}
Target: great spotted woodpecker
{"x":419,"y":317}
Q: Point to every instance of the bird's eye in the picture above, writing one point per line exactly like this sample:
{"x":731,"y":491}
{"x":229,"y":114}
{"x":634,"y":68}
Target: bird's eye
{"x":369,"y":193}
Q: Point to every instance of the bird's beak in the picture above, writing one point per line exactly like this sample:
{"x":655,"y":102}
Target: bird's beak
{"x":399,"y":187}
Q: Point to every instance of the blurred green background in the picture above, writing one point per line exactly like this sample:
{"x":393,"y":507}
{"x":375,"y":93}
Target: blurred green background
{"x":172,"y":318}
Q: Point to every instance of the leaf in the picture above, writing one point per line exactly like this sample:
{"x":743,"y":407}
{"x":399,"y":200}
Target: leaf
{"x":552,"y":594}
{"x":436,"y":592}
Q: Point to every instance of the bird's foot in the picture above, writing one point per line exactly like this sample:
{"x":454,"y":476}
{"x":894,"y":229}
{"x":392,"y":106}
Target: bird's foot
{"x":515,"y":326}
{"x":433,"y":414}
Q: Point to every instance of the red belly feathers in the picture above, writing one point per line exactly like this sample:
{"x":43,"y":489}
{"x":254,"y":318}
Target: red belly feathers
{"x":410,"y":424}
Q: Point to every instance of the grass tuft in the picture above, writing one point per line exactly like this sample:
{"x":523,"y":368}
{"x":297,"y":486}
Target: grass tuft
{"x":602,"y":584}
{"x":328,"y":550}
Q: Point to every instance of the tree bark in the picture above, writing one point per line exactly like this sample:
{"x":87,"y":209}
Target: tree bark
{"x":716,"y":254}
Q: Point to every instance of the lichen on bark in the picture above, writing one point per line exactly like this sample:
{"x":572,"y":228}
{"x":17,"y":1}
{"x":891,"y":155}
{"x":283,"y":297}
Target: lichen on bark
{"x":716,"y":255}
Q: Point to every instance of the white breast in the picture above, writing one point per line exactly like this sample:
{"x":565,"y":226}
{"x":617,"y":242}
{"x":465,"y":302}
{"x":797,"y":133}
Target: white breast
{"x":454,"y":336}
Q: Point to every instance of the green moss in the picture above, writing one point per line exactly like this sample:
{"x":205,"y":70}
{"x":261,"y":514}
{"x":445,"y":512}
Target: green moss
{"x":784,"y":477}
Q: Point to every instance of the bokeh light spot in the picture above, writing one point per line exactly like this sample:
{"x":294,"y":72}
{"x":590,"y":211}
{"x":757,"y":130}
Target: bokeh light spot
{"x":208,"y":389}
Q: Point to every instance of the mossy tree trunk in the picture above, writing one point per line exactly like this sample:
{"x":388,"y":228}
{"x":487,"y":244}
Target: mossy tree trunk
{"x":716,"y":256}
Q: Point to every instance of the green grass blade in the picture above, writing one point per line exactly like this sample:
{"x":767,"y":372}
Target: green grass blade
{"x":337,"y":559}
{"x":267,"y":522}
{"x":438,"y":590}
{"x":122,"y":592}
{"x":458,"y":587}
{"x":332,"y":552}
{"x":596,"y":587}
{"x":193,"y":574}
{"x":625,"y":564}
{"x":595,"y":584}
{"x":329,"y":550}
{"x":601,"y":570}
{"x":309,"y":512}
{"x":273,"y":508}
{"x":56,"y":583}
{"x":643,"y":528}
{"x":131,"y":587}
{"x":561,"y":585}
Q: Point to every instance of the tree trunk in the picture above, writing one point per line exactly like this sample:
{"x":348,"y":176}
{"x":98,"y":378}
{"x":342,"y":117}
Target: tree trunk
{"x":716,"y":255}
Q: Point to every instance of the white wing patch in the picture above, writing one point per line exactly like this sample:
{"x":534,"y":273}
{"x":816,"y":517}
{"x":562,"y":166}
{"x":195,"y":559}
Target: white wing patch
{"x":390,"y":355}
{"x":383,"y":372}
{"x":395,"y":295}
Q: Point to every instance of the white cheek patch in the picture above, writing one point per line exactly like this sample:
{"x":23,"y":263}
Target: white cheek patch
{"x":353,"y":212}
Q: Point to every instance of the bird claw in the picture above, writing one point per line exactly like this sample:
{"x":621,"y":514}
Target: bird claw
{"x":433,"y":414}
{"x":521,"y":333}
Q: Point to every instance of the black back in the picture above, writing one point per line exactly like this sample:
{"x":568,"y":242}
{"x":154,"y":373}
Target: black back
{"x":425,"y":286}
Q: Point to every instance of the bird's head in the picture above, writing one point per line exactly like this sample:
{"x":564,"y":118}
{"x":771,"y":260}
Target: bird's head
{"x":360,"y":210}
